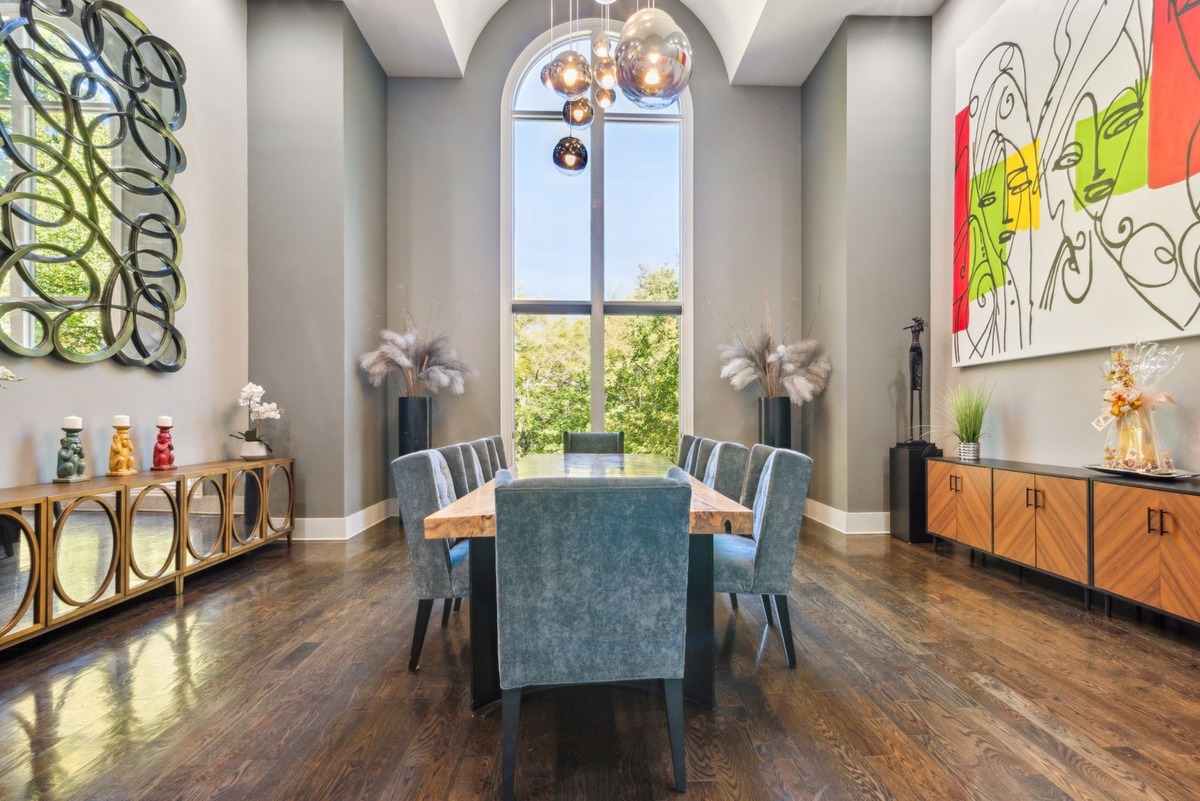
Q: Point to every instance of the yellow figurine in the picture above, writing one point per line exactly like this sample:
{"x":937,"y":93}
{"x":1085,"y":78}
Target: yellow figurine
{"x":120,"y":453}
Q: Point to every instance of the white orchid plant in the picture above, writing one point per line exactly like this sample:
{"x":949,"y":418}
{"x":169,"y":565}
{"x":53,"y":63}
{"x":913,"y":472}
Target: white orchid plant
{"x":7,"y":376}
{"x":251,"y":399}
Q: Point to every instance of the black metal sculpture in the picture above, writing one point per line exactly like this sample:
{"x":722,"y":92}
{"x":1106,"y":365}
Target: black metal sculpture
{"x":916,"y":382}
{"x":90,"y":227}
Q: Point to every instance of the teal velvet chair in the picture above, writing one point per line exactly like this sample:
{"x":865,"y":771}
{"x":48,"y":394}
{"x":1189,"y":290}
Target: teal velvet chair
{"x":485,"y":458}
{"x":593,"y":442}
{"x":423,"y":486}
{"x":458,"y":471}
{"x":493,"y":454}
{"x":622,"y":619}
{"x":726,"y":469}
{"x":501,"y":456}
{"x":471,"y":466}
{"x":698,"y":460}
{"x":762,"y":565}
{"x":754,"y":467}
{"x":685,"y":447}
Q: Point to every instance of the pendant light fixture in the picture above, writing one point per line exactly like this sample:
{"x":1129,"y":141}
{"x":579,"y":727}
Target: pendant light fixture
{"x":654,"y":59}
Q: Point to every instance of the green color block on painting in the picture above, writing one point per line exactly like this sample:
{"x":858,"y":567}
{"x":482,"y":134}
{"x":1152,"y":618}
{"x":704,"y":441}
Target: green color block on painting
{"x":1112,"y":149}
{"x":989,"y":252}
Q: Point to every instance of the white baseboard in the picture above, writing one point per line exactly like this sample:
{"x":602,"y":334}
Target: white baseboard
{"x":340,"y":529}
{"x":848,"y":522}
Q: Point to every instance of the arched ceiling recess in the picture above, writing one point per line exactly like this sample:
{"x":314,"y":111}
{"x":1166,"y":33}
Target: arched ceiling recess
{"x":763,"y":42}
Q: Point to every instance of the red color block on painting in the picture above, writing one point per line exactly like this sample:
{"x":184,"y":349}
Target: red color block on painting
{"x":962,"y":225}
{"x":1174,"y":93}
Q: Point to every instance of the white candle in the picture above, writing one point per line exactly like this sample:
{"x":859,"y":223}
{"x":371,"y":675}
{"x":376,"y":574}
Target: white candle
{"x":164,"y":422}
{"x":72,"y":422}
{"x":121,"y":420}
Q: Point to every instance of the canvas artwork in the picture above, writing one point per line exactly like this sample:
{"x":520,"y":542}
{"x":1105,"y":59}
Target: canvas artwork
{"x":1077,"y":178}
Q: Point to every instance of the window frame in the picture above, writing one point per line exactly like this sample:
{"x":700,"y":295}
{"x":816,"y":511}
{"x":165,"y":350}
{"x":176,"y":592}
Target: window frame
{"x":597,"y":308}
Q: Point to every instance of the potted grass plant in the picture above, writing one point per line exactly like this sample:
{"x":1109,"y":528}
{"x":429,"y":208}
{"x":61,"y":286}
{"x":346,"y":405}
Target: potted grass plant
{"x":966,"y":406}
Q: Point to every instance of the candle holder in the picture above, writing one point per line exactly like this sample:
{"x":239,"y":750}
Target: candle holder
{"x":72,"y":464}
{"x":120,"y":453}
{"x":164,"y":450}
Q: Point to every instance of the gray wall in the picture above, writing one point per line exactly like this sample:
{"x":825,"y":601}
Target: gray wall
{"x":316,"y":245}
{"x":211,"y":36}
{"x":444,"y":213}
{"x":1042,"y":408}
{"x":865,"y":257}
{"x":365,"y":214}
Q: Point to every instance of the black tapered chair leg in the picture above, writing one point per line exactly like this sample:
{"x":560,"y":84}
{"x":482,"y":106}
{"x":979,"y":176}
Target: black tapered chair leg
{"x":446,"y":604}
{"x":766,"y":599}
{"x":785,"y":629}
{"x":673,"y":690}
{"x":733,"y":599}
{"x":510,"y":713}
{"x":424,"y":609}
{"x":457,"y":604}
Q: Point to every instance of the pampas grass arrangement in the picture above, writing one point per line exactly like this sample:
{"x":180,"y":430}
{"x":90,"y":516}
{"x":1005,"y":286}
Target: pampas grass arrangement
{"x":427,"y":364}
{"x":781,"y":369}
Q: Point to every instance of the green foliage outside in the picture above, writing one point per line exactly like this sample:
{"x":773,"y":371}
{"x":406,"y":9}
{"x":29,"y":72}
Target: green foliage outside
{"x":641,"y":375}
{"x":80,"y":332}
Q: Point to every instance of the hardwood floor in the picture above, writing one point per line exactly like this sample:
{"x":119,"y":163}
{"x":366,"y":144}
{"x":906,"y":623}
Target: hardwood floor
{"x":920,"y":676}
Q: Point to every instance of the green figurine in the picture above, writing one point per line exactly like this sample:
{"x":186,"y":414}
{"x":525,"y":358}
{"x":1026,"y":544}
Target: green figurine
{"x":71,"y":460}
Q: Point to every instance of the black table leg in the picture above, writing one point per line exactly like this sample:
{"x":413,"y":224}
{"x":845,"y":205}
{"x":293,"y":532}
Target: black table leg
{"x":699,"y":684}
{"x":485,"y":664}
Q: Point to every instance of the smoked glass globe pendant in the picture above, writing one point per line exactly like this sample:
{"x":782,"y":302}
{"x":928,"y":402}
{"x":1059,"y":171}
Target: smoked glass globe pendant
{"x":579,"y":113}
{"x":570,"y":156}
{"x":569,"y":75}
{"x":654,"y":59}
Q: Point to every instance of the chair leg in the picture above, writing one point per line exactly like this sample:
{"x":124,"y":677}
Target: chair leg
{"x":510,"y":712}
{"x":424,"y":609}
{"x":766,"y":599}
{"x":457,"y":604}
{"x":785,"y":629}
{"x":673,"y":690}
{"x":446,"y":604}
{"x":733,"y":599}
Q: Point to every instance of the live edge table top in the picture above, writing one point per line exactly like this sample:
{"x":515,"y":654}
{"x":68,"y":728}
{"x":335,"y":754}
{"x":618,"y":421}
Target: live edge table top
{"x":474,"y":514}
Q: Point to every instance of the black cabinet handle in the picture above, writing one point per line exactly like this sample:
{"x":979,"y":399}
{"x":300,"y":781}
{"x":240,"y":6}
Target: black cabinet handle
{"x":1037,"y":499}
{"x":1150,"y":521}
{"x":1027,"y":491}
{"x":1162,"y":522}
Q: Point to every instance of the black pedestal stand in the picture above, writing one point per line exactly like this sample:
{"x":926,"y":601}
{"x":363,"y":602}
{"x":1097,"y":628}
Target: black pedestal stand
{"x":908,"y":489}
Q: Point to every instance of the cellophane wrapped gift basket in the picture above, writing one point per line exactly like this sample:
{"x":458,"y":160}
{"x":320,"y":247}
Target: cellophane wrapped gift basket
{"x":1134,"y":377}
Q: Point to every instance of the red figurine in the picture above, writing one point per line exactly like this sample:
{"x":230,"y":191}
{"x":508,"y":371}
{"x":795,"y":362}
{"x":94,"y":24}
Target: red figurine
{"x":164,"y":450}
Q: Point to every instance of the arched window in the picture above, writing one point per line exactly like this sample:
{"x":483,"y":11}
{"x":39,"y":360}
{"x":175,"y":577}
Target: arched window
{"x":596,"y":279}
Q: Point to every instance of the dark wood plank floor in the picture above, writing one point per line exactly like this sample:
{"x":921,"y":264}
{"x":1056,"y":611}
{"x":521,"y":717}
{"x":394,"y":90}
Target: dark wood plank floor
{"x":920,"y":676}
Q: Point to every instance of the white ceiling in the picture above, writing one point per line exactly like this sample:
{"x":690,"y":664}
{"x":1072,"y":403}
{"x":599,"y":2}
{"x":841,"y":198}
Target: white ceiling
{"x":768,"y":42}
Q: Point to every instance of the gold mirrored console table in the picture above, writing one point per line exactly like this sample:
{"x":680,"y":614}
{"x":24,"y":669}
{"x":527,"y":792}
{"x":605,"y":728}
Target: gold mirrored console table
{"x":68,"y":550}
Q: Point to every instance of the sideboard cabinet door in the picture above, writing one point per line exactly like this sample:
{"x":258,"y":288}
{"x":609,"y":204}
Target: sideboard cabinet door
{"x":1014,"y":532}
{"x":1180,"y":524}
{"x":1126,"y":541}
{"x":974,"y":514}
{"x":1062,"y":527}
{"x":943,"y":500}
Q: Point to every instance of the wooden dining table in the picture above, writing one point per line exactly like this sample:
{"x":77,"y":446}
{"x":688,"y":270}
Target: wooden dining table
{"x":474,"y":517}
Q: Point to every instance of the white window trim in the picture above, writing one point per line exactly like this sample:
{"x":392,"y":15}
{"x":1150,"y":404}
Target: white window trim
{"x":529,"y":56}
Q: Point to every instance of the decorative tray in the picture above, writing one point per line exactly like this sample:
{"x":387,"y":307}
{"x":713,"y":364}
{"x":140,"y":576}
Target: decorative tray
{"x":1177,"y":475}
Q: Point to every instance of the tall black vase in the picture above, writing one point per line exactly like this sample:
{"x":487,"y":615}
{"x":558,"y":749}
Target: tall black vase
{"x":775,"y":422}
{"x":414,"y":424}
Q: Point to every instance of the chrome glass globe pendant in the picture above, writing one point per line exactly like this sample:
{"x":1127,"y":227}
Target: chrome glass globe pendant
{"x":654,"y":59}
{"x":579,"y":113}
{"x":570,"y":156}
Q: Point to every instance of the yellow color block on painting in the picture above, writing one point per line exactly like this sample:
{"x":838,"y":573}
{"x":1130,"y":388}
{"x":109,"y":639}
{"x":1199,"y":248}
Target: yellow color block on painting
{"x":1024,"y":188}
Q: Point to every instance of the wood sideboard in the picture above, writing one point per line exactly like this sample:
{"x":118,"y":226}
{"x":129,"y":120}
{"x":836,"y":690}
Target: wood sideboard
{"x":72,"y":549}
{"x":1132,"y":538}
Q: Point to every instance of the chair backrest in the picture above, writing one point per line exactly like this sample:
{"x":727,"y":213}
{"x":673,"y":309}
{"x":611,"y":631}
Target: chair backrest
{"x":778,"y":512}
{"x":498,"y":441}
{"x":726,"y":469}
{"x":458,"y":471}
{"x":685,"y":447}
{"x":493,"y":454}
{"x":620,"y":620}
{"x":424,"y":485}
{"x":471,"y":466}
{"x":593,"y":442}
{"x":754,"y":468}
{"x":700,"y":454}
{"x":485,"y":458}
